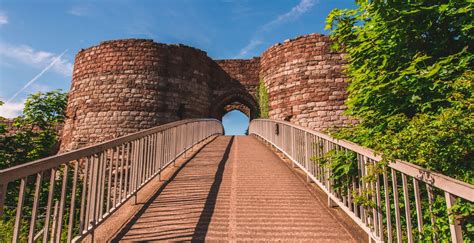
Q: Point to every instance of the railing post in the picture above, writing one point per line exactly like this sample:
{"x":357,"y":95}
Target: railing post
{"x":454,"y":223}
{"x":185,"y":141}
{"x":306,"y":156}
{"x":291,"y":141}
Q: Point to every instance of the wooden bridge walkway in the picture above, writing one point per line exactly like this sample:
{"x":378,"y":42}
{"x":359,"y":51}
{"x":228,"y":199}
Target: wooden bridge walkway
{"x":235,"y":188}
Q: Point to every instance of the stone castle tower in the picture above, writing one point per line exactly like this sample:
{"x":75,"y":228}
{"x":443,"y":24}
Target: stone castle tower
{"x":123,"y":86}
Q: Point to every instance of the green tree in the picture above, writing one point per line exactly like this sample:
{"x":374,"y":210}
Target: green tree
{"x":410,"y":85}
{"x":35,"y":136}
{"x":36,"y":131}
{"x":410,"y":73}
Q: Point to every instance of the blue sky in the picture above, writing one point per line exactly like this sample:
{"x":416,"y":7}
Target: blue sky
{"x":39,"y":39}
{"x":235,"y":123}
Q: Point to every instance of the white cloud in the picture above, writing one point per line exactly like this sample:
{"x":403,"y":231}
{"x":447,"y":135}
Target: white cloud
{"x":249,"y":47}
{"x":12,"y":109}
{"x":298,"y":10}
{"x":294,"y":13}
{"x":79,"y":11}
{"x":3,"y":18}
{"x":37,"y":59}
{"x":52,"y":64}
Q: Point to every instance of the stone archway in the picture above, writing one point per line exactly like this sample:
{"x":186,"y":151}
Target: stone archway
{"x":234,"y":100}
{"x":237,"y":106}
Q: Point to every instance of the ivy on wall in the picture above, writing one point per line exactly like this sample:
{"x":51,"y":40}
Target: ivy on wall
{"x":262,"y":98}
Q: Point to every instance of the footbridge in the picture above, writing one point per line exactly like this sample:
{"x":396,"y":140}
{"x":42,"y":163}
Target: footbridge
{"x":185,"y":181}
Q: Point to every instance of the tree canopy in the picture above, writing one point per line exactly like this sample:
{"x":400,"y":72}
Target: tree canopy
{"x":36,"y":131}
{"x":409,"y":67}
{"x":410,"y":74}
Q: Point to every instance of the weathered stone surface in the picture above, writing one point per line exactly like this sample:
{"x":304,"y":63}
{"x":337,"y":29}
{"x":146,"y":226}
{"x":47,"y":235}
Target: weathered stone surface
{"x":246,"y":71}
{"x":305,"y":82}
{"x":123,"y":86}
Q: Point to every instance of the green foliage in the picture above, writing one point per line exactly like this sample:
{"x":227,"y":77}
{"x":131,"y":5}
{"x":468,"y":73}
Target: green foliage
{"x":45,"y":110}
{"x":410,"y":86}
{"x":35,"y":136}
{"x":398,"y":56}
{"x":36,"y":130}
{"x":262,"y":96}
{"x":413,"y":96}
{"x":343,"y":167}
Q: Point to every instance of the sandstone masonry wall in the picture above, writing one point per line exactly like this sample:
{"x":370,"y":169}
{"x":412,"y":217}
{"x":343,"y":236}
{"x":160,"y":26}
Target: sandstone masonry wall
{"x":305,"y":82}
{"x":123,"y":86}
{"x":246,"y":71}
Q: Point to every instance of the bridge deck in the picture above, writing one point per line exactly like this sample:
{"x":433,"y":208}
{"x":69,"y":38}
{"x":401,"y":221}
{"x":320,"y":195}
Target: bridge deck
{"x":235,"y":189}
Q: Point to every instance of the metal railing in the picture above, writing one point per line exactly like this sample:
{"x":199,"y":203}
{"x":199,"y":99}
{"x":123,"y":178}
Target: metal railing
{"x":64,"y":197}
{"x":381,"y":218}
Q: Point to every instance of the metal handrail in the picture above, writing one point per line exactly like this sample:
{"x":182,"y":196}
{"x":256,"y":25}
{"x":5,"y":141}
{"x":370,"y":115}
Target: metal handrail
{"x":94,"y":181}
{"x":301,"y":144}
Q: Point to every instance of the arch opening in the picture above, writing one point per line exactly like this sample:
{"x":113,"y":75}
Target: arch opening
{"x":235,"y":100}
{"x":235,"y":122}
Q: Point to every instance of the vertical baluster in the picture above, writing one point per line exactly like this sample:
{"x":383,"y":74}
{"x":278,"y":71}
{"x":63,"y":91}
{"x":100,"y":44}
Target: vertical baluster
{"x":454,"y":223}
{"x":379,"y":207}
{"x":128,"y":167}
{"x":387,"y":207}
{"x":54,"y":227}
{"x":103,"y":165}
{"x":429,"y":189}
{"x":147,"y":169}
{"x":361,"y":187}
{"x":153,"y":152}
{"x":140,"y":155}
{"x":92,"y":186}
{"x":93,"y":189}
{"x":72,"y":205}
{"x":317,"y":149}
{"x":85,"y":183}
{"x":19,"y":208}
{"x":34,"y":210}
{"x":175,"y":144}
{"x":406,"y":197}
{"x":115,"y":163}
{"x":349,"y":194}
{"x":109,"y":164}
{"x":98,"y":199}
{"x":134,"y":167}
{"x":379,"y":204}
{"x":419,"y":213}
{"x":160,"y":153}
{"x":49,"y":205}
{"x":397,"y":205}
{"x":146,"y":154}
{"x":373,"y":188}
{"x":306,"y":156}
{"x":120,"y":159}
{"x":140,"y":164}
{"x":152,"y":155}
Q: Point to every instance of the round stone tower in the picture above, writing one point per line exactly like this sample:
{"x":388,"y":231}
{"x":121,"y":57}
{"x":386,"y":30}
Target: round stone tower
{"x":123,"y":86}
{"x":305,"y":82}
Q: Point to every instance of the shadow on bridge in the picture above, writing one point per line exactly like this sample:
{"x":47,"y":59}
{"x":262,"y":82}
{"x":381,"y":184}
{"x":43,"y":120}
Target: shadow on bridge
{"x":183,"y":207}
